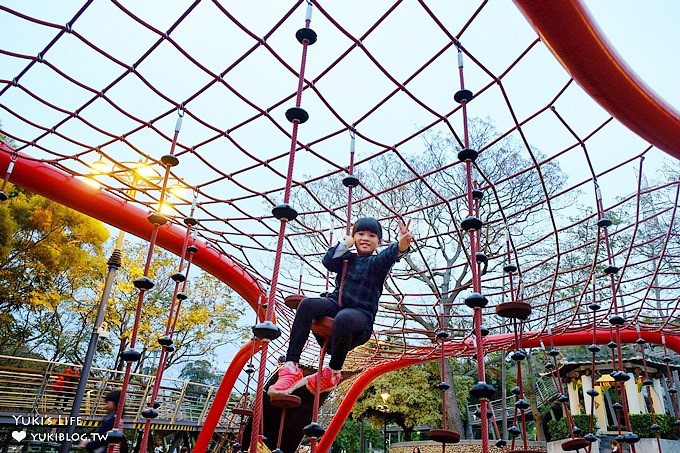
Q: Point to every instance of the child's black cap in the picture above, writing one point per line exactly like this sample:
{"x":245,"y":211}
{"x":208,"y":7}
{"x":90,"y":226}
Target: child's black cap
{"x":368,"y":224}
{"x":113,"y":396}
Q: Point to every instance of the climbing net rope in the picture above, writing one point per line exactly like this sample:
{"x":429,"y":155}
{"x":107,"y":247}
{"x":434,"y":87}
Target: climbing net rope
{"x":396,"y":93}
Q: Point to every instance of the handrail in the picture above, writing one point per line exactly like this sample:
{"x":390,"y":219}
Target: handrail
{"x":27,"y":387}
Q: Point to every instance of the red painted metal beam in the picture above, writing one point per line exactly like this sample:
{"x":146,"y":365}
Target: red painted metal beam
{"x":63,"y":188}
{"x":571,"y":34}
{"x":223,"y":392}
{"x":529,"y":340}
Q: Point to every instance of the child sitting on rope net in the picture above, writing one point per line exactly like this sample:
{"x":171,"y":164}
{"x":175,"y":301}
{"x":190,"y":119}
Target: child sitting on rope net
{"x":352,"y":305}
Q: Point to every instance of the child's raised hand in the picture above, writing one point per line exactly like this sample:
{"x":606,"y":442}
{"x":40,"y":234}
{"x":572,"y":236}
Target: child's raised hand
{"x":405,"y":236}
{"x":349,"y":241}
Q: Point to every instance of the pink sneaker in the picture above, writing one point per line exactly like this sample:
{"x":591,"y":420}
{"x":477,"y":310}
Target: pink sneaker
{"x":328,"y":381}
{"x":289,"y":380}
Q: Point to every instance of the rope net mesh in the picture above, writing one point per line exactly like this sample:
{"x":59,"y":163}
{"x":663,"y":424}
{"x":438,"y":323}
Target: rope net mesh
{"x":110,"y":82}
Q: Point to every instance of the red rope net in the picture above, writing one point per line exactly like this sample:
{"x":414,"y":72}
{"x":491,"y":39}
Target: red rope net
{"x":105,"y":82}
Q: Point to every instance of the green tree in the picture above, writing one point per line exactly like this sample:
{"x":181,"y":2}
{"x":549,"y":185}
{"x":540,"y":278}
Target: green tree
{"x":201,"y":372}
{"x":348,"y":439}
{"x":207,"y":320}
{"x":414,"y":398}
{"x":50,"y":259}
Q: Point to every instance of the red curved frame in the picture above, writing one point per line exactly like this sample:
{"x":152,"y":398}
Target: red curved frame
{"x":530,"y":340}
{"x":63,"y":188}
{"x":573,"y":37}
{"x":568,"y":31}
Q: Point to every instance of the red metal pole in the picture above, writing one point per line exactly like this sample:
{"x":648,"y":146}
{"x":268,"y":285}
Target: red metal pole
{"x":222,"y":395}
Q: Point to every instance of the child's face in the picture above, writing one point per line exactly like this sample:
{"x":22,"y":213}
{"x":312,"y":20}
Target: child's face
{"x":366,"y":242}
{"x":110,"y":406}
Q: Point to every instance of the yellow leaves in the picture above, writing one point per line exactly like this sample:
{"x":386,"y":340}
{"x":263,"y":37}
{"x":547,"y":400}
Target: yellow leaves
{"x":49,"y":300}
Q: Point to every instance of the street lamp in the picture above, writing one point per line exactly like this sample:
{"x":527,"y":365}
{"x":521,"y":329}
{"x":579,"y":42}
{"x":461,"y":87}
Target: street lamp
{"x":385,"y":395}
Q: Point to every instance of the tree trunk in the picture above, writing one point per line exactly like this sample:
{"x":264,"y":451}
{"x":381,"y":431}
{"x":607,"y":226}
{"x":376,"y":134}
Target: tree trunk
{"x":530,"y":393}
{"x":119,"y":361}
{"x":454,"y":422}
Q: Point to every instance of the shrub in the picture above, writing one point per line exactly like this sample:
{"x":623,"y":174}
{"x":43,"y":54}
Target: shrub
{"x":558,"y":429}
{"x":640,"y":424}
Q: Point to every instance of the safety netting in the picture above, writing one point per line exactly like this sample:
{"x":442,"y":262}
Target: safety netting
{"x":575,"y":205}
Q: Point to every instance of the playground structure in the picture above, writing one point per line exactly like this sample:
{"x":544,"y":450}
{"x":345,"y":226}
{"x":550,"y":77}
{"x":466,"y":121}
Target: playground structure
{"x":617,"y":294}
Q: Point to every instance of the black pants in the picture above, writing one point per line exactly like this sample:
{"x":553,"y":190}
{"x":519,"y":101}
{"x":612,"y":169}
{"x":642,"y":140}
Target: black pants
{"x":351,"y":328}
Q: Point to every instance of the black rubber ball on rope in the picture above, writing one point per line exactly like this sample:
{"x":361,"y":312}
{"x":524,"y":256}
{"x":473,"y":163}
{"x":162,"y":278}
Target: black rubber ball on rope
{"x":443,"y":386}
{"x":190,"y":221}
{"x":314,"y":430}
{"x":562,"y":398}
{"x":284,"y":211}
{"x":471,"y":223}
{"x":518,"y":356}
{"x":617,"y":320}
{"x":297,"y":114}
{"x":594,"y":348}
{"x":648,"y":382}
{"x":476,"y":300}
{"x":631,"y":438}
{"x":441,"y":334}
{"x":169,"y":160}
{"x":553,"y":352}
{"x":306,"y":34}
{"x":477,"y":194}
{"x":617,"y":406}
{"x":266,"y":331}
{"x":522,"y":404}
{"x":143,"y":283}
{"x":481,"y":257}
{"x":592,"y":393}
{"x":611,"y":270}
{"x":640,"y":341}
{"x":178,"y":277}
{"x":350,"y":181}
{"x":514,"y":431}
{"x":604,"y":223}
{"x":467,"y":154}
{"x":165,"y":341}
{"x":655,"y":427}
{"x":115,"y":437}
{"x":463,"y":96}
{"x":621,"y":376}
{"x":594,"y":306}
{"x":3,"y":196}
{"x":549,"y":366}
{"x":131,"y":355}
{"x":501,"y":443}
{"x":150,"y":413}
{"x":612,"y":345}
{"x":516,"y":391}
{"x":482,"y":390}
{"x":156,"y":218}
{"x":192,"y":249}
{"x":590,"y":437}
{"x":509,"y":268}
